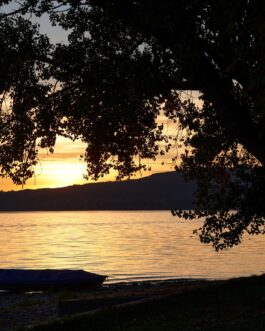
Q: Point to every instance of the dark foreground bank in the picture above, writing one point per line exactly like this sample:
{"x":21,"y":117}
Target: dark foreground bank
{"x":237,"y":304}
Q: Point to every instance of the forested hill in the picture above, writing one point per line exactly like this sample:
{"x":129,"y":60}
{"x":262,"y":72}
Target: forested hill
{"x":156,"y":192}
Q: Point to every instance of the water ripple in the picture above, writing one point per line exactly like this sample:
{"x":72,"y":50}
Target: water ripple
{"x":127,"y":246}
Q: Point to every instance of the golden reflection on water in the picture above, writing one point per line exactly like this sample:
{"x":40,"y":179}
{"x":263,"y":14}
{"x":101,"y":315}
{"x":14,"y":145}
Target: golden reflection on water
{"x":124,"y":245}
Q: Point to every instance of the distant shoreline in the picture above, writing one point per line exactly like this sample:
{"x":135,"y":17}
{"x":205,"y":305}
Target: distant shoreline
{"x":163,"y":191}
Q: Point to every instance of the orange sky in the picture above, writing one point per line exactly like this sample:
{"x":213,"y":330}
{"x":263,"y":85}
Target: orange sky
{"x":64,"y":167}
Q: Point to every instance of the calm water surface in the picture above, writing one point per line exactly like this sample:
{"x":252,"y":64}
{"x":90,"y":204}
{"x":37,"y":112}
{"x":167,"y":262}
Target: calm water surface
{"x":127,"y":246}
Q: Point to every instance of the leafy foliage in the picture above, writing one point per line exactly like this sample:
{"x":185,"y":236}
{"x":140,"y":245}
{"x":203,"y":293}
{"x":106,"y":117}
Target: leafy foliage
{"x":124,"y":64}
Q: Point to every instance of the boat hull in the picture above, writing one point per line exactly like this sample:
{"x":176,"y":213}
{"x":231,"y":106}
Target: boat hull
{"x":49,"y":279}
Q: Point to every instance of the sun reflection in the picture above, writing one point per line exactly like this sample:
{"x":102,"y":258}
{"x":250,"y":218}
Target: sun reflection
{"x":123,"y":245}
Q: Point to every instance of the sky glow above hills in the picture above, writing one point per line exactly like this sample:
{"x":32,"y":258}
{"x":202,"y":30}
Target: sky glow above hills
{"x":64,"y":167}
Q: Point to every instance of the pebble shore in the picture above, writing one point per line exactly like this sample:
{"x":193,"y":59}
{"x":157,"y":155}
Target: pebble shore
{"x":29,"y":309}
{"x":22,"y":310}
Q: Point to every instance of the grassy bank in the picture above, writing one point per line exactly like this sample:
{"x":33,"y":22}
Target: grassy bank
{"x":231,"y":305}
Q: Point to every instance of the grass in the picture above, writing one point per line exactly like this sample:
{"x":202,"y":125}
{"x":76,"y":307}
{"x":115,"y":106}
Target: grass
{"x":232,"y":305}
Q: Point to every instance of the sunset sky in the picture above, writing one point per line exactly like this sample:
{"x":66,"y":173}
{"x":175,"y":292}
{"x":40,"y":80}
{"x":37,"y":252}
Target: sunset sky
{"x":64,"y":167}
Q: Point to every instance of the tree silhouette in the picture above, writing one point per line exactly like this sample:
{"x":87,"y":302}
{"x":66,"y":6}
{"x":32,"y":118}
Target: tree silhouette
{"x":125,"y":63}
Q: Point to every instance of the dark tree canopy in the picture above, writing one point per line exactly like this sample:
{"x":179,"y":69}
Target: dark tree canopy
{"x":125,"y":63}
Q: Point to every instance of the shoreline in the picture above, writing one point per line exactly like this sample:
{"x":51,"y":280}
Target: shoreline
{"x":31,"y":309}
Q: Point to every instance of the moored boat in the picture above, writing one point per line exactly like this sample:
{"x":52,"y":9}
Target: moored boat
{"x":48,"y":279}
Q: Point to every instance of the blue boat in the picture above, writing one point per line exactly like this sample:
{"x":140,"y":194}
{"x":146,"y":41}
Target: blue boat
{"x":48,"y":279}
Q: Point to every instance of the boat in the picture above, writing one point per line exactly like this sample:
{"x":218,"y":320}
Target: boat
{"x":48,"y":279}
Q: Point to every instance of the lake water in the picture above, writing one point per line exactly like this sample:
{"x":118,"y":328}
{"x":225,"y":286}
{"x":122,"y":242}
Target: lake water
{"x":127,"y":246}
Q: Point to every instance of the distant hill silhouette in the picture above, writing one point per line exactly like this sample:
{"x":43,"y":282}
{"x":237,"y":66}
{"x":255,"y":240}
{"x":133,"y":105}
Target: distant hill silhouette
{"x":156,"y":192}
